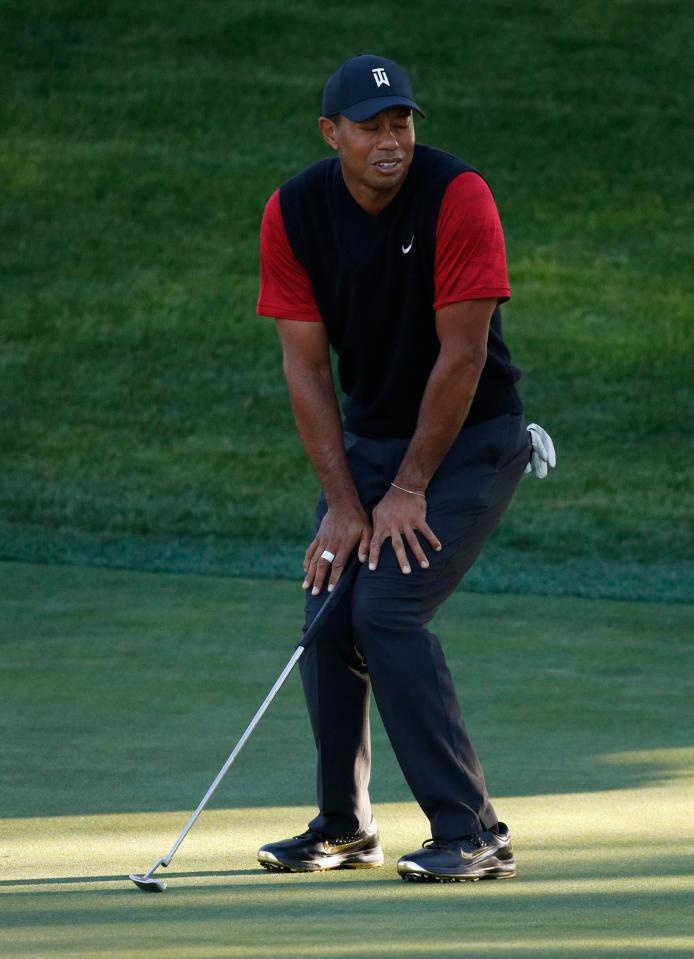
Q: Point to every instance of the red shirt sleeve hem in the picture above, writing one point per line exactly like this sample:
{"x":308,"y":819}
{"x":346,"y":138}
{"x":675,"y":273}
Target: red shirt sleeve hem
{"x":501,"y":294}
{"x":282,"y":312}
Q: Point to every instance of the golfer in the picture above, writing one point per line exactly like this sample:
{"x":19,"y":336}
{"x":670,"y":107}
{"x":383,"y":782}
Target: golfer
{"x":393,"y":255}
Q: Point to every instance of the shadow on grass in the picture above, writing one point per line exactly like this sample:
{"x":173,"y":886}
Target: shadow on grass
{"x":388,"y":911}
{"x":579,"y":873}
{"x":120,"y":877}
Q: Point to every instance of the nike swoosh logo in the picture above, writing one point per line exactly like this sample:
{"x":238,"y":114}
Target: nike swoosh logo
{"x":406,"y":249}
{"x":341,"y":847}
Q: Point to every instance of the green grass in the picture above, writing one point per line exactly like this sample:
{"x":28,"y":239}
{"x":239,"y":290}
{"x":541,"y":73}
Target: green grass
{"x":144,"y":418}
{"x":122,"y":693}
{"x":569,"y":902}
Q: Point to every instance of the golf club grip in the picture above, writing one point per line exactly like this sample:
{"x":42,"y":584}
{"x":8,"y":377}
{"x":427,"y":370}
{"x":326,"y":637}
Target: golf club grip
{"x":333,"y":599}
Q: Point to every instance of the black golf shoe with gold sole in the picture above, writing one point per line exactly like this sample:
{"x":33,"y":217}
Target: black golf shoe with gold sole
{"x":482,"y":855}
{"x":312,"y":851}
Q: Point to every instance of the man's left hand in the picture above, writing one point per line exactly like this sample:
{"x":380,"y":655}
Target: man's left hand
{"x":398,"y":516}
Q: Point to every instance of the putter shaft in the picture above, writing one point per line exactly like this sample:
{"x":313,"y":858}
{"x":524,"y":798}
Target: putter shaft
{"x":309,"y":636}
{"x":165,"y":860}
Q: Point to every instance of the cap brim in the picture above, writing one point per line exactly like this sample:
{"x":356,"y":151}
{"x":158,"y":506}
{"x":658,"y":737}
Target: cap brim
{"x":369,"y":108}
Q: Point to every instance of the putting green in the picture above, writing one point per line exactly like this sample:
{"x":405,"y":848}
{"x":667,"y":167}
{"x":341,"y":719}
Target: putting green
{"x":606,"y":874}
{"x":122,"y":693}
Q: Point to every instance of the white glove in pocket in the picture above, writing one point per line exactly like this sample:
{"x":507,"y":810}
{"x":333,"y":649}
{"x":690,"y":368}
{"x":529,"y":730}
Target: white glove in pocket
{"x":543,"y":454}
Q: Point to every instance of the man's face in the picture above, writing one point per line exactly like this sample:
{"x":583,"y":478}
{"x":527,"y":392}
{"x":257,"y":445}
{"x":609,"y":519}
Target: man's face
{"x":376,"y":153}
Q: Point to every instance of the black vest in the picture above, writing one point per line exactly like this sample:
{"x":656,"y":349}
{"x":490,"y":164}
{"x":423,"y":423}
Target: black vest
{"x":376,"y":300}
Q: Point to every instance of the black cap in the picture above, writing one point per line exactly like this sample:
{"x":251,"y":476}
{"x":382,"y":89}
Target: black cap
{"x":365,"y":85}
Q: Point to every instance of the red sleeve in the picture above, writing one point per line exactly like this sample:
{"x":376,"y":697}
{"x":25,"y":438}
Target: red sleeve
{"x":470,"y":260}
{"x":285,"y":288}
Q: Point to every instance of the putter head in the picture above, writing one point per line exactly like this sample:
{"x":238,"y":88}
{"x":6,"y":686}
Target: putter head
{"x":148,"y":883}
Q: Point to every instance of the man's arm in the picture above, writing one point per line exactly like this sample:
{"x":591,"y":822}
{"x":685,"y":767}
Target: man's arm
{"x":306,"y":361}
{"x":462,"y":329}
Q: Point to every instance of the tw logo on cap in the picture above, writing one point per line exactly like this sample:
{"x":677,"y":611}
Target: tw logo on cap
{"x":380,"y":76}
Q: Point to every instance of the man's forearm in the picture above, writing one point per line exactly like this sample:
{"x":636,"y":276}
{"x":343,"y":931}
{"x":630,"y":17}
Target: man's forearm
{"x":445,"y":405}
{"x":319,"y":425}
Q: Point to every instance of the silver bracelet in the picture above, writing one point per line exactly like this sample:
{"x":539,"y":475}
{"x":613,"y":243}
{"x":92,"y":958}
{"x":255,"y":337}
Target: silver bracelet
{"x":413,"y":492}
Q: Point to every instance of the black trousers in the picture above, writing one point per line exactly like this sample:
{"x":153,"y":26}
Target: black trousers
{"x":376,"y":638}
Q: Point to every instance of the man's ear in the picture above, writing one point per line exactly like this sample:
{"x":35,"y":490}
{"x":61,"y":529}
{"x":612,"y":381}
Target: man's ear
{"x":328,"y":128}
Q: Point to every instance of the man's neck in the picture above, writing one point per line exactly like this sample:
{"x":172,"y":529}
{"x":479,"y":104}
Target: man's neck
{"x":370,"y":200}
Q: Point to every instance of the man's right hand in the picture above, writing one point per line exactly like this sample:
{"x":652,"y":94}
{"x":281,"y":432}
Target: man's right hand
{"x":342,"y":528}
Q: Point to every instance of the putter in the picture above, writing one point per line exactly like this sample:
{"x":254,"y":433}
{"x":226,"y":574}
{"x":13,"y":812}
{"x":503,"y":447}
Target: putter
{"x":148,"y":882}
